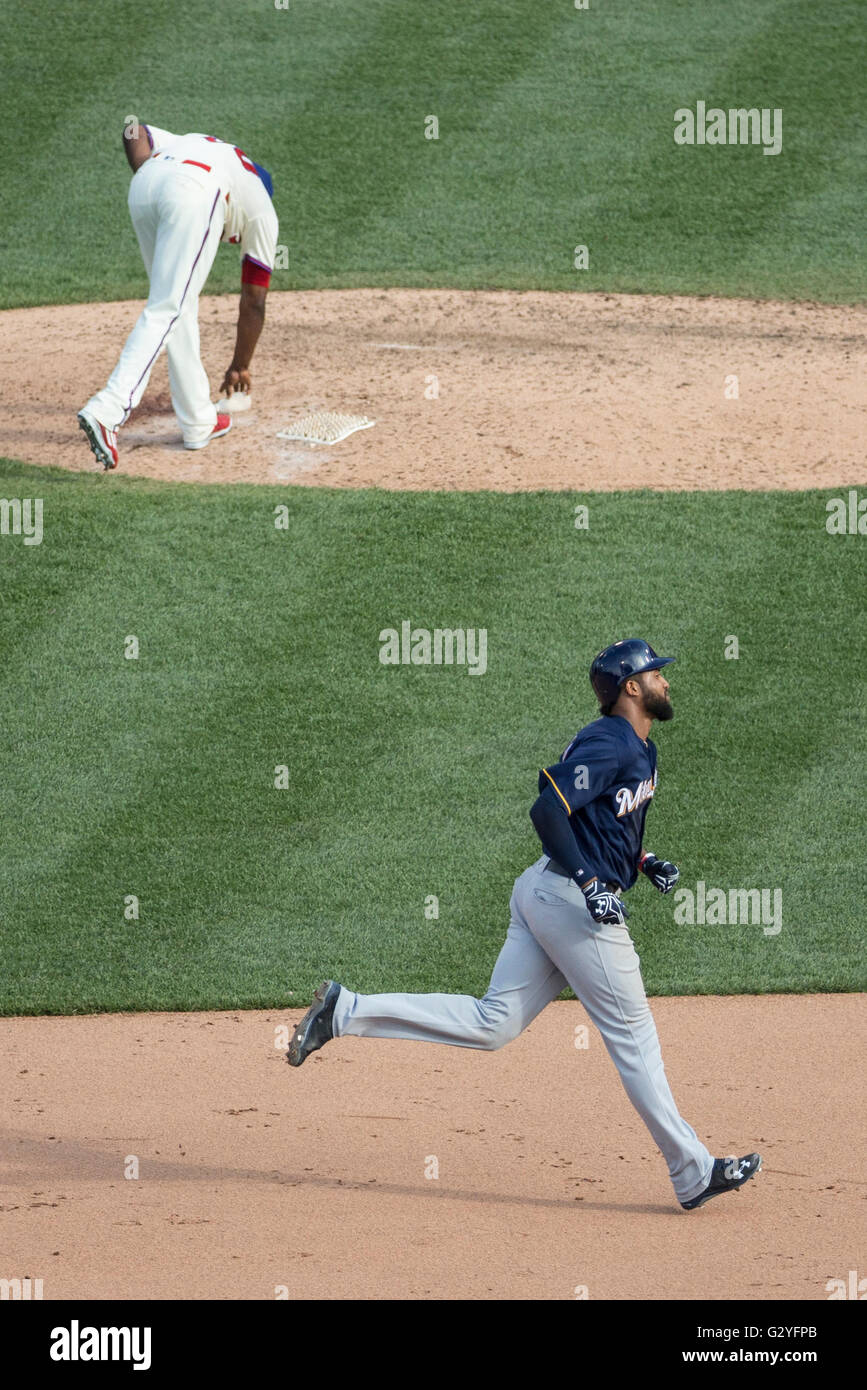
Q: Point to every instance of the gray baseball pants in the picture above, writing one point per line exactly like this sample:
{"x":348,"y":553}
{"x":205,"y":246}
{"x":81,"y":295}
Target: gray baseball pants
{"x":552,"y":942}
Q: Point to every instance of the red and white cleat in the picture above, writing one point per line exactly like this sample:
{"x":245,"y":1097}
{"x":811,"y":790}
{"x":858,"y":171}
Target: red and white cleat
{"x":102,"y":441}
{"x":223,"y":425}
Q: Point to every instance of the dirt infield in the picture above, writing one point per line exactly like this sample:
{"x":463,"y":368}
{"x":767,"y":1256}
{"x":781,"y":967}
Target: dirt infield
{"x":494,"y":390}
{"x":256,"y":1181}
{"x":254,"y":1178}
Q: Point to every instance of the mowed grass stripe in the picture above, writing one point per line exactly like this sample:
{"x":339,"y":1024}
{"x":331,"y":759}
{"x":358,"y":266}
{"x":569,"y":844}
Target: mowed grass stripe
{"x":260,"y":648}
{"x":781,"y":215}
{"x":556,"y":129}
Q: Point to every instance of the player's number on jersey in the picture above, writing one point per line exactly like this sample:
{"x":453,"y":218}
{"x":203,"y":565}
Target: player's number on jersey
{"x":245,"y":160}
{"x":247,"y":163}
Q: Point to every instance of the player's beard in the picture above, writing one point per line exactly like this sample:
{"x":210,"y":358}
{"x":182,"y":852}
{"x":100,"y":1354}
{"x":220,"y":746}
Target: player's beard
{"x":658,"y":706}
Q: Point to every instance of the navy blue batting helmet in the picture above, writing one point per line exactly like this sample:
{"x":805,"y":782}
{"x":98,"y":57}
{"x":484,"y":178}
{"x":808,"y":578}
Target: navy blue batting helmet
{"x":618,"y":662}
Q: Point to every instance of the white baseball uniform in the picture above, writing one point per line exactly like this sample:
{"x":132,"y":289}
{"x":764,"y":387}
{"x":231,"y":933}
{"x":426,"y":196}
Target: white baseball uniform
{"x":194,"y":192}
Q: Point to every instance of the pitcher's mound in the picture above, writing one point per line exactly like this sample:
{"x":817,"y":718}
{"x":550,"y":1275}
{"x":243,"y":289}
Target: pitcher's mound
{"x":475,"y":390}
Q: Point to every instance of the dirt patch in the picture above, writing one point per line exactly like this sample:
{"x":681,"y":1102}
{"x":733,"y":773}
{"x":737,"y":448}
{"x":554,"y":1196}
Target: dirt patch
{"x":254,"y":1178}
{"x":507,"y":391}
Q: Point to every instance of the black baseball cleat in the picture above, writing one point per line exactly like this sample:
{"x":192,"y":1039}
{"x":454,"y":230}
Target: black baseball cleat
{"x":317,"y":1026}
{"x":728,"y":1175}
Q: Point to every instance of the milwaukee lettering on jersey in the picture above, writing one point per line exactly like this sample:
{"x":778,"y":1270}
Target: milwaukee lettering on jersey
{"x":606,"y":779}
{"x":628,"y":800}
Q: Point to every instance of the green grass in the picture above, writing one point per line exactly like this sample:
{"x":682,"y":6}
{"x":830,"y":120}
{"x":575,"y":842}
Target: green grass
{"x":556,"y":129}
{"x":259,"y":647}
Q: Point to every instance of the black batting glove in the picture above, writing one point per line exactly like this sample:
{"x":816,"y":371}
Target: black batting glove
{"x":603,"y":905}
{"x":661,"y":873}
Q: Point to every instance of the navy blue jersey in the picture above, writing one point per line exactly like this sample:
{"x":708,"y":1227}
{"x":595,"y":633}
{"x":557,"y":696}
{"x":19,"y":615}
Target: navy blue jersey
{"x":605,"y":781}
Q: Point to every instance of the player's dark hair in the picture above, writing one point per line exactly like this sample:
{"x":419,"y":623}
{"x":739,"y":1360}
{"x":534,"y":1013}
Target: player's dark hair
{"x":606,"y":709}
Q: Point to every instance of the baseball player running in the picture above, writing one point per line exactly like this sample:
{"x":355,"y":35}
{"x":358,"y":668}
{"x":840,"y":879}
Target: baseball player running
{"x":568,"y":925}
{"x":188,"y":193}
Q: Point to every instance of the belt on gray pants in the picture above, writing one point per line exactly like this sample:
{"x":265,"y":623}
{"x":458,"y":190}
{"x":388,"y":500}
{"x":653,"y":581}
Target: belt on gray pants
{"x":552,"y":867}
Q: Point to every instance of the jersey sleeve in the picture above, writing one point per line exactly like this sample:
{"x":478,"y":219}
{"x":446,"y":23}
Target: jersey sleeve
{"x":159,"y":139}
{"x":590,"y":770}
{"x":259,"y":246}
